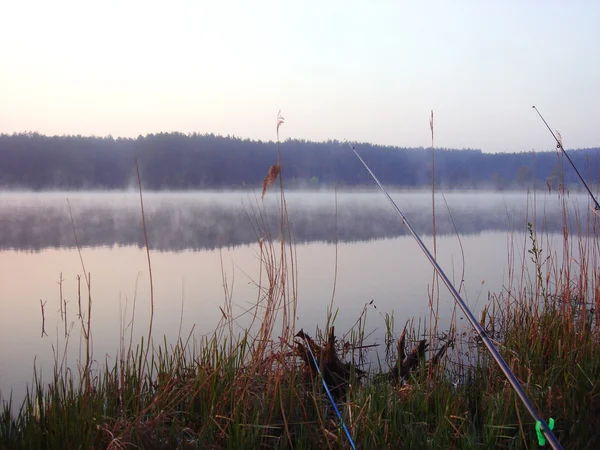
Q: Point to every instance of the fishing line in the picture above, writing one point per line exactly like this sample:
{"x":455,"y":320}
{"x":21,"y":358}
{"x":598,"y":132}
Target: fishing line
{"x":480,"y":331}
{"x":559,"y":145}
{"x":335,"y":408}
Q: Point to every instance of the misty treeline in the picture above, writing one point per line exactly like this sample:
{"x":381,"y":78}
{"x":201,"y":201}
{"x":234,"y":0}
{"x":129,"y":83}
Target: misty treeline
{"x":204,"y":161}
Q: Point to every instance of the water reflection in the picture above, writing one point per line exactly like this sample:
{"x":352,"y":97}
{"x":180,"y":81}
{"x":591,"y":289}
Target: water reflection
{"x":390,"y":275}
{"x":202,"y":220}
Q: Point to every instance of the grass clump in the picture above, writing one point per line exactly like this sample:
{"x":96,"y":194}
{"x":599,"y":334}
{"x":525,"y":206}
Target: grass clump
{"x":225,"y":392}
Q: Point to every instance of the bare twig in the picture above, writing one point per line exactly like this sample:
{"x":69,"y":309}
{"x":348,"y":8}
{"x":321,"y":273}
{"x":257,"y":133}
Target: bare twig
{"x":42,"y":304}
{"x":137,"y":169}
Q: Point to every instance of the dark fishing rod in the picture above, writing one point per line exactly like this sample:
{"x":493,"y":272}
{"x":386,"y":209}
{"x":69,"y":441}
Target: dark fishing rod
{"x":480,"y":331}
{"x":559,"y":145}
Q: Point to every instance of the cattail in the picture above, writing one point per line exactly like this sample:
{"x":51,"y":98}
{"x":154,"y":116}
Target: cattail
{"x":274,"y":172}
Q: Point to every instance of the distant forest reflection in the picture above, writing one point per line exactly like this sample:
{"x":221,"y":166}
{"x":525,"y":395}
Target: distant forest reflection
{"x":205,"y":220}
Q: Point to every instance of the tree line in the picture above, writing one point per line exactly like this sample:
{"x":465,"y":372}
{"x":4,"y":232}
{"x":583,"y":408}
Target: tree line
{"x":177,"y":161}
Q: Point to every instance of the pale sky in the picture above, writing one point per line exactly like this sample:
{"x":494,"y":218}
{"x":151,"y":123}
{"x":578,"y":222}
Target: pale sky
{"x":367,"y":71}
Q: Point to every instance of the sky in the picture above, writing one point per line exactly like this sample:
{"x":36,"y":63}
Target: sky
{"x":367,"y":71}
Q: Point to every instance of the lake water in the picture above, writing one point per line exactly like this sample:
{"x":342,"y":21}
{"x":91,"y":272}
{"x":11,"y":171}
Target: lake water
{"x":203,"y":240}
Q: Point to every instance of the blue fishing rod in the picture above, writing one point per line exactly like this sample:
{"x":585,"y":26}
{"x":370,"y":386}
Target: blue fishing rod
{"x":512,"y":379}
{"x":560,"y":146}
{"x":331,"y":399}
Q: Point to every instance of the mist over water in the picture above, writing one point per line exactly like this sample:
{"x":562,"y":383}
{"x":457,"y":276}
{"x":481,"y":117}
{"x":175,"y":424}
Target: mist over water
{"x":201,"y":241}
{"x":207,"y":220}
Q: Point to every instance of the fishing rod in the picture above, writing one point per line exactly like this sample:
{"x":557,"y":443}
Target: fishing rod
{"x":480,"y":331}
{"x":335,"y":408}
{"x":559,"y":145}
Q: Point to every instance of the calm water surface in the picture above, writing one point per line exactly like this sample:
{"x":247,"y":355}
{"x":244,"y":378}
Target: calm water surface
{"x":201,"y":241}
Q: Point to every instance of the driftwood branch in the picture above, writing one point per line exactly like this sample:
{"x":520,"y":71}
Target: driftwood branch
{"x":336,"y":373}
{"x":407,"y":363}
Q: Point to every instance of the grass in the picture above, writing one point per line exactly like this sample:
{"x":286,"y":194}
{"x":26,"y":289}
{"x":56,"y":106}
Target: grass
{"x":250,"y":390}
{"x":224,"y":394}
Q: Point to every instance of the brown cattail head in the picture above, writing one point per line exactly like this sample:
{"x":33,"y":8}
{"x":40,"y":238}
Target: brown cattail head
{"x":274,"y":172}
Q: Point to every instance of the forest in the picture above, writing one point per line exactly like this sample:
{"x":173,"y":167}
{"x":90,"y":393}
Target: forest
{"x":176,"y":161}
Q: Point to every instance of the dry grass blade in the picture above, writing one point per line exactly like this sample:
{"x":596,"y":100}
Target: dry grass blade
{"x":431,"y":125}
{"x":271,"y":177}
{"x":280,"y":121}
